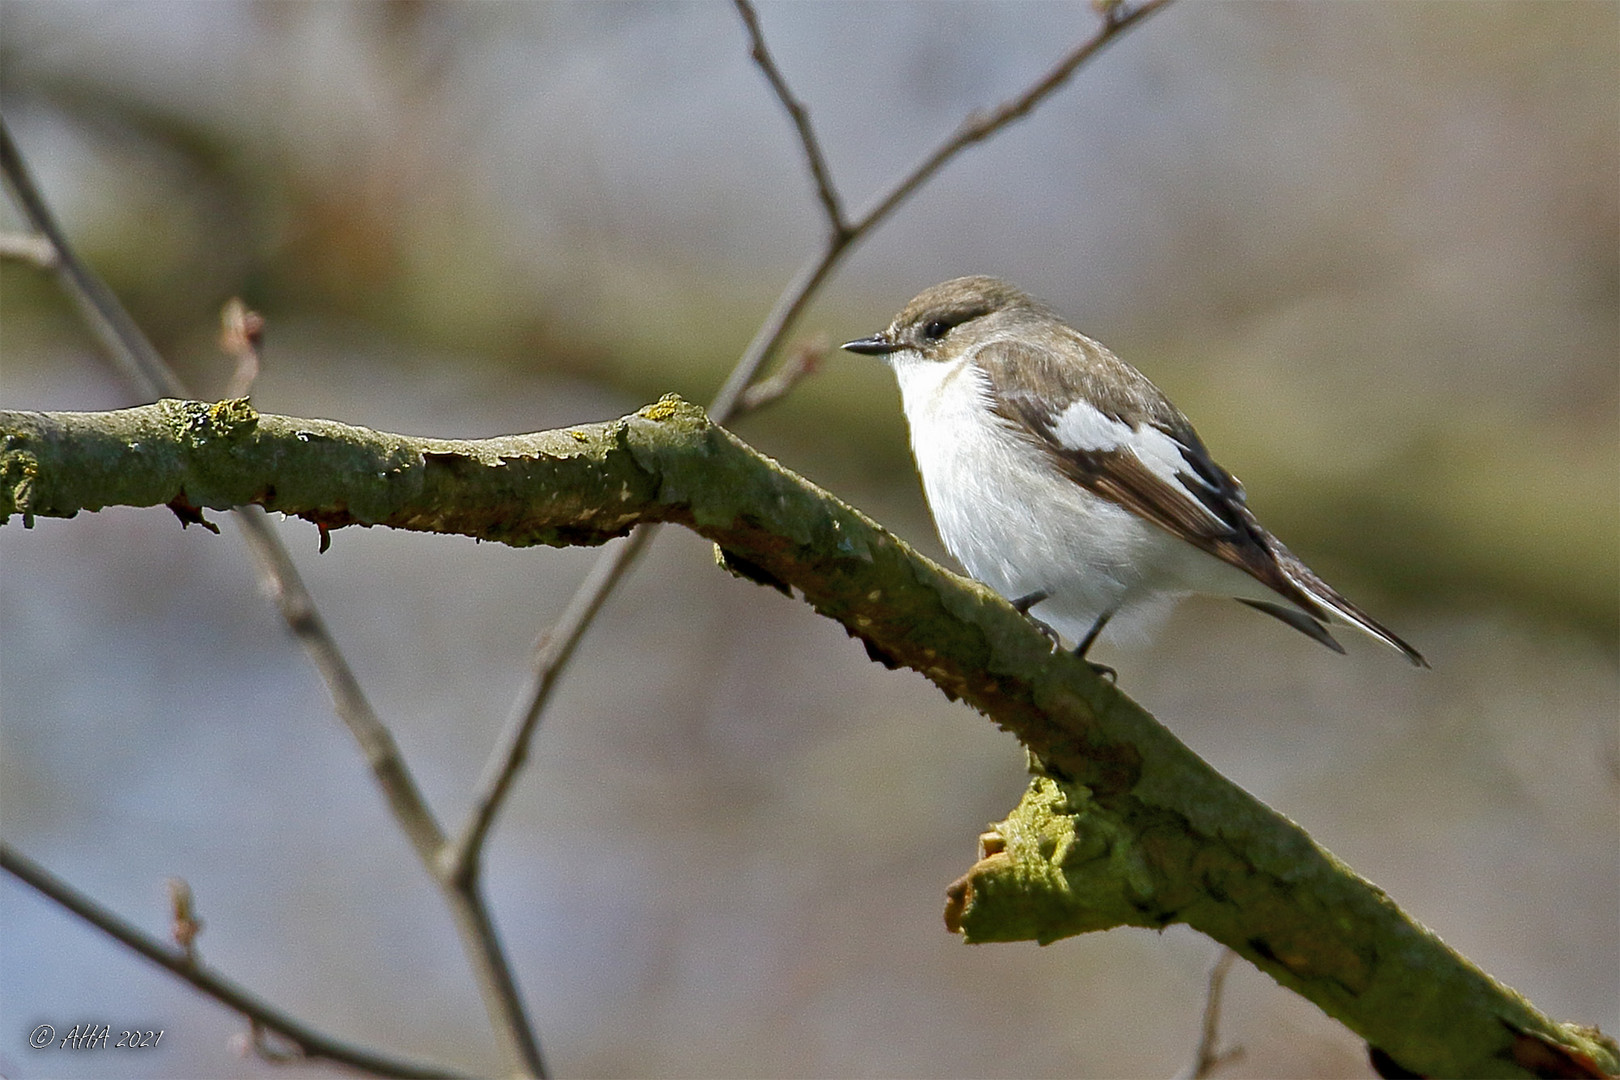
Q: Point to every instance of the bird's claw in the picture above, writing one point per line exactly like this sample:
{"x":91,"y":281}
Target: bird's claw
{"x":1022,"y":605}
{"x":1051,"y":634}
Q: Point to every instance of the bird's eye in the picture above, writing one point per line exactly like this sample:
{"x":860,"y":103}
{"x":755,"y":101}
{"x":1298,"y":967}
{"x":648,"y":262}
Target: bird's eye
{"x":936,"y":329}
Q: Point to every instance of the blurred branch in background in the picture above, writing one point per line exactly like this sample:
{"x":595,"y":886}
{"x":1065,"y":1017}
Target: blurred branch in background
{"x":117,"y":333}
{"x":800,"y":116}
{"x":124,"y":343}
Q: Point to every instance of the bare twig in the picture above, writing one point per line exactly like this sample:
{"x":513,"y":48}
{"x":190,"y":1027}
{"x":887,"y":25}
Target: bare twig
{"x":240,"y":333}
{"x":1209,"y":1057}
{"x":977,"y":127}
{"x":551,"y":654}
{"x":128,"y":346}
{"x":805,"y":361}
{"x":29,"y":248}
{"x":726,"y":405}
{"x":297,"y":607}
{"x":100,"y":309}
{"x":557,"y":645}
{"x":800,"y":117}
{"x":493,"y":974}
{"x":310,"y":1043}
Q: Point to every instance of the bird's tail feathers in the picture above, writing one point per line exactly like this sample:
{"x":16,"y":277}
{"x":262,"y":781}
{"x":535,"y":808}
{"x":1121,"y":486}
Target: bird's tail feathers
{"x":1331,"y":603}
{"x":1293,"y":616}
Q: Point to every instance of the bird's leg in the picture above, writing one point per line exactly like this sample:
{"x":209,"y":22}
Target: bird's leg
{"x":1081,"y":649}
{"x":1084,"y":647}
{"x":1022,"y":606}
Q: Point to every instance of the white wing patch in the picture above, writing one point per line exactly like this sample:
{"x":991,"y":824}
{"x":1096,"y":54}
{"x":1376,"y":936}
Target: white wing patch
{"x":1082,"y":426}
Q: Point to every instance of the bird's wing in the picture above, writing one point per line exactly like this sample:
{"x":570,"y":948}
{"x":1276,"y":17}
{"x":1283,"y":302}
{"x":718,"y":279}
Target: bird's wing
{"x":1110,"y":430}
{"x":1119,"y":438}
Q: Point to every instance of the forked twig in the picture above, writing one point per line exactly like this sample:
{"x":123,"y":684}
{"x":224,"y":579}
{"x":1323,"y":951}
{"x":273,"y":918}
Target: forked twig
{"x":558,"y":644}
{"x":806,"y":361}
{"x":127,"y":345}
{"x":183,"y":963}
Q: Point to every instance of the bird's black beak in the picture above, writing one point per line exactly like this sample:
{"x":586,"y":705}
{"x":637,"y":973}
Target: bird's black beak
{"x":876,"y":345}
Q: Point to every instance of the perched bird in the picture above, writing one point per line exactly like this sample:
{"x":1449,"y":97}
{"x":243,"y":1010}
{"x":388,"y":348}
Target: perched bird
{"x":1066,"y":481}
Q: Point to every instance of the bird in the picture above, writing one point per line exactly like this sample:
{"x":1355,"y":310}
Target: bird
{"x":1061,"y":477}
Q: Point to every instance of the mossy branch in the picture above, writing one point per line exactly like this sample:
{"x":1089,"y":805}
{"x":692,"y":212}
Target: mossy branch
{"x":1126,"y":826}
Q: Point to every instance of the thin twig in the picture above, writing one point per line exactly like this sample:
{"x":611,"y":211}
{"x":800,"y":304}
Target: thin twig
{"x":100,"y":309}
{"x":129,"y":347}
{"x":496,"y":983}
{"x":240,"y":334}
{"x":800,"y":117}
{"x":292,"y":598}
{"x":806,"y":361}
{"x":507,"y":758}
{"x":551,"y":655}
{"x":727,"y":404}
{"x":977,"y":127}
{"x":311,"y":1043}
{"x":1209,"y":1057}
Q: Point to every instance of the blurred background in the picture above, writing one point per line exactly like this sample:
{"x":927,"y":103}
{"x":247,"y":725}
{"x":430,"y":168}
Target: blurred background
{"x":1370,"y":249}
